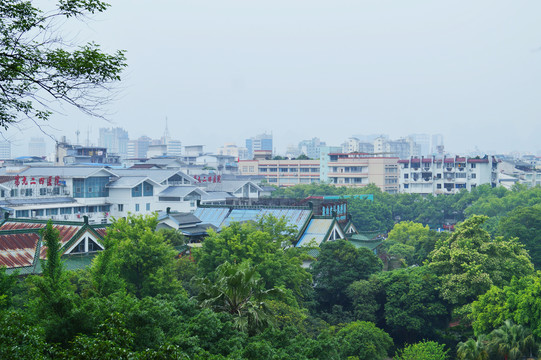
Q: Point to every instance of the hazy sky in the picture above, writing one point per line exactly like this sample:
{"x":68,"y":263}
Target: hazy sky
{"x":222,"y":71}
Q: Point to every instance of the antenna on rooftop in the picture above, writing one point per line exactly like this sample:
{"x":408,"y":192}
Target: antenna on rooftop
{"x":166,"y":133}
{"x":88,"y":136}
{"x":77,"y":133}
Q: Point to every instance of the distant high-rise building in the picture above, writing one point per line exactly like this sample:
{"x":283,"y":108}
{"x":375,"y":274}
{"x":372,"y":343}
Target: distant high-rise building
{"x":115,"y":140}
{"x":354,"y":144}
{"x":231,"y":149}
{"x":37,"y":147}
{"x":172,"y":147}
{"x":423,"y":141}
{"x":311,"y":148}
{"x":259,"y":142}
{"x":5,"y":150}
{"x":402,"y":148}
{"x":437,"y":144}
{"x":138,"y":149}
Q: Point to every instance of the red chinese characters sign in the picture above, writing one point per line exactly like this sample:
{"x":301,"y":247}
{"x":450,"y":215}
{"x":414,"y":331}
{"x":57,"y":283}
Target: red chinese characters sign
{"x":208,"y":178}
{"x":27,"y":180}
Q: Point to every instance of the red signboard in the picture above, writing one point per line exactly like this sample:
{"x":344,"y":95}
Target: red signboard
{"x":208,"y":178}
{"x":23,"y":180}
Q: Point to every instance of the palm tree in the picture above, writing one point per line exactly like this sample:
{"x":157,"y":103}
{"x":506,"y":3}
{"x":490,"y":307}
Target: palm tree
{"x":238,"y":290}
{"x":512,"y":341}
{"x":473,"y":349}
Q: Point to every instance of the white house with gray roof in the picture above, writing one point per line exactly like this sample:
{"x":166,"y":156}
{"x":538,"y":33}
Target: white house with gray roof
{"x":68,"y":193}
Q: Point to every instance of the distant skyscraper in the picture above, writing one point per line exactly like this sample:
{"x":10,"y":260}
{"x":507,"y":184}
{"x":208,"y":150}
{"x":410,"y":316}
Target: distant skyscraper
{"x":437,"y":144}
{"x":115,"y":140}
{"x":259,"y":142}
{"x":422,"y":140}
{"x":37,"y":147}
{"x":311,"y":148}
{"x":5,"y":150}
{"x":353,"y":144}
{"x":173,"y":147}
{"x":402,"y":148}
{"x":231,"y":149}
{"x":138,"y":149}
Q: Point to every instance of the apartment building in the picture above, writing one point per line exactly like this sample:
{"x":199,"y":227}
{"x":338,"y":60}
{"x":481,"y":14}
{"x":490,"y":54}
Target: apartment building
{"x":446,"y":175}
{"x":361,"y":169}
{"x":282,"y":172}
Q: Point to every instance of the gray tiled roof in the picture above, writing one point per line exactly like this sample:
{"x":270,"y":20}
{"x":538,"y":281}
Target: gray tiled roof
{"x":126,"y":182}
{"x":180,"y":191}
{"x":158,"y":175}
{"x":64,"y":171}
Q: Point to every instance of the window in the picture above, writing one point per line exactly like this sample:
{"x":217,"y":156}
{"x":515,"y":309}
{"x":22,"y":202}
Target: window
{"x":137,"y":207}
{"x":438,"y":186}
{"x":406,"y":176}
{"x":148,"y":206}
{"x":92,"y":246}
{"x":90,"y":187}
{"x":43,"y":191}
{"x":80,"y":247}
{"x":472,"y":165}
{"x":473,"y":176}
{"x":148,"y":189}
{"x":51,"y":212}
{"x":14,"y":193}
{"x":137,"y":191}
{"x":120,"y":207}
{"x":21,"y":213}
{"x":406,"y":186}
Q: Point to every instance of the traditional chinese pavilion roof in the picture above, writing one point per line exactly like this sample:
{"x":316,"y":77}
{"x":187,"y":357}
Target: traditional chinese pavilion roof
{"x":21,"y":244}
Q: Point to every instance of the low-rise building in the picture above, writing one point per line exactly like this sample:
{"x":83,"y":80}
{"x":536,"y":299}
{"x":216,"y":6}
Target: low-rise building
{"x":282,"y":172}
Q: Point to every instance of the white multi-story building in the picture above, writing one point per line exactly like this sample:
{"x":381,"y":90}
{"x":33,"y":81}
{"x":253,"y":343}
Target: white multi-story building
{"x":282,"y":172}
{"x":447,"y":175}
{"x":69,"y":193}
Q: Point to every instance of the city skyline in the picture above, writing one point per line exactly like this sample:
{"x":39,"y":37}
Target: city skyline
{"x":222,"y":72}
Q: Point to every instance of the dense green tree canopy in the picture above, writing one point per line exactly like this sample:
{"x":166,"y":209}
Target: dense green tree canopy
{"x":265,"y":244}
{"x":524,"y":223}
{"x":425,"y":350}
{"x":137,"y":257}
{"x":469,"y":262}
{"x":338,"y":265}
